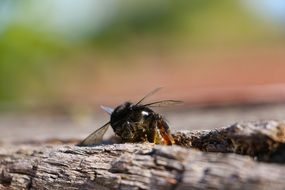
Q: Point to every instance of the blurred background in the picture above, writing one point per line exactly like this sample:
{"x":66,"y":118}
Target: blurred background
{"x":61,"y":59}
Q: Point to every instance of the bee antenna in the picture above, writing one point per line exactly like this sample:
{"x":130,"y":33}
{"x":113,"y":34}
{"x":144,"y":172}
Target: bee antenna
{"x":149,"y":94}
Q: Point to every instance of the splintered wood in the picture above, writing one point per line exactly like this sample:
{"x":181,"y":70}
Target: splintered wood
{"x":234,"y":157}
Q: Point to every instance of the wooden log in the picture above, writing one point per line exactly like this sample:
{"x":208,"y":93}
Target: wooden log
{"x":149,"y":166}
{"x":263,"y":140}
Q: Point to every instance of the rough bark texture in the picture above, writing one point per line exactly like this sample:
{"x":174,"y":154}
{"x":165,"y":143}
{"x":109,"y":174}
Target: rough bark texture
{"x":146,"y":166}
{"x":262,"y":140}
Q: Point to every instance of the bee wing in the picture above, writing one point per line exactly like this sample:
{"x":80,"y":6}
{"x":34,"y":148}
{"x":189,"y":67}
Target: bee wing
{"x":95,"y":137}
{"x":149,"y":94}
{"x":164,"y":103}
{"x":107,"y":109}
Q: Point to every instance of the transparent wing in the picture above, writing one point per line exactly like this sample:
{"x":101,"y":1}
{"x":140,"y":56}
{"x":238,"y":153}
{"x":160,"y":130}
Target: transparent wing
{"x":149,"y":94}
{"x":164,"y":103}
{"x":107,"y":109}
{"x":95,"y":137}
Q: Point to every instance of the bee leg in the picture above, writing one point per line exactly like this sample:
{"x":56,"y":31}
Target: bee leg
{"x":158,"y":131}
{"x":164,"y":131}
{"x":126,"y":132}
{"x":153,"y":134}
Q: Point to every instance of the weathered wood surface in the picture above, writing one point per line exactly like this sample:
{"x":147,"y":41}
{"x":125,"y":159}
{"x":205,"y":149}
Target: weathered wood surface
{"x":148,"y":166}
{"x":263,"y":140}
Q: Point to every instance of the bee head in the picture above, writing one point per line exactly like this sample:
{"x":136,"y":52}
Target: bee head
{"x":121,"y":111}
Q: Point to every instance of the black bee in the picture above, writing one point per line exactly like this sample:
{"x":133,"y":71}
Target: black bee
{"x":135,"y":123}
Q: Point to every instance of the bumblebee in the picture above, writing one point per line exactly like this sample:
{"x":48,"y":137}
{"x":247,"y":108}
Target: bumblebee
{"x":135,"y":123}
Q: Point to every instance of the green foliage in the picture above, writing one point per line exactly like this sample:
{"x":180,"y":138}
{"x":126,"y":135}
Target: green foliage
{"x":29,"y":57}
{"x":26,"y":62}
{"x":194,"y":22}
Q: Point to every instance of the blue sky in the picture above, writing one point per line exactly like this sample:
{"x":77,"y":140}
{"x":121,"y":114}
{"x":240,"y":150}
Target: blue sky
{"x":271,"y":10}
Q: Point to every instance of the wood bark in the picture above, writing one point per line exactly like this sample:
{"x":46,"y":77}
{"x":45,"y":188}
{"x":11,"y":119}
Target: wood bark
{"x":234,"y":157}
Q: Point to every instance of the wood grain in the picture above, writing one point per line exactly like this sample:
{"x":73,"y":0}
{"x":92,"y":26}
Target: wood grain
{"x":201,"y":160}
